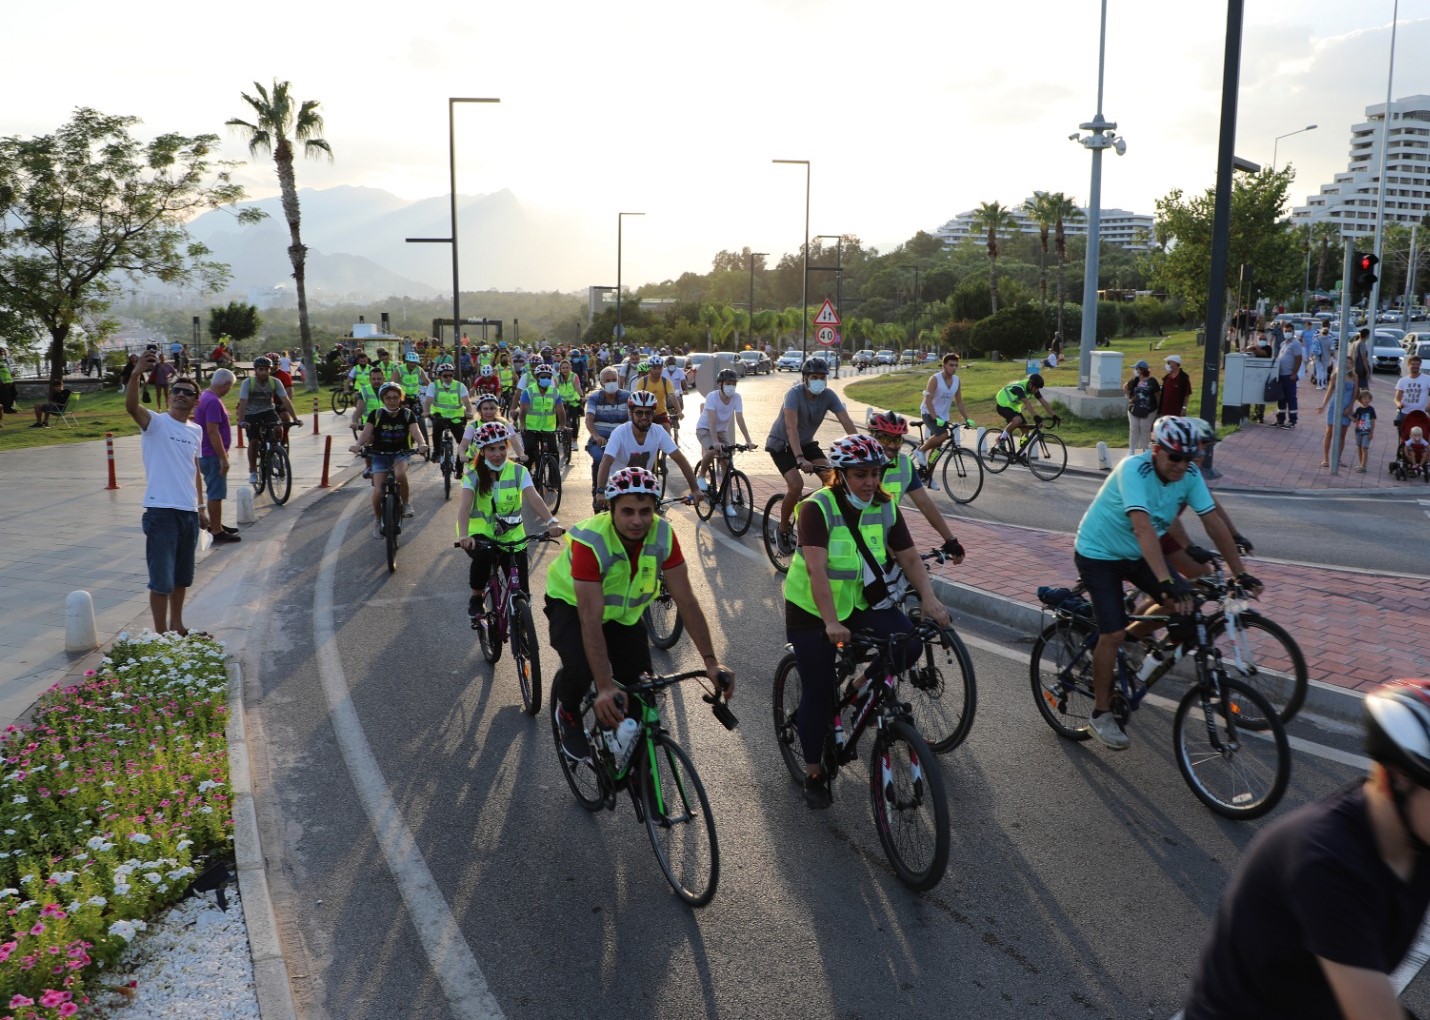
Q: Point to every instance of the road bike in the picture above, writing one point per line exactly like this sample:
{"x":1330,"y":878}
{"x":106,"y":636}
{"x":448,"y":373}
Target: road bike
{"x":1041,"y":451}
{"x":275,"y":471}
{"x":728,"y":490}
{"x":506,"y":614}
{"x":906,"y":788}
{"x":447,"y":460}
{"x":661,"y":779}
{"x":1229,"y":742}
{"x":546,"y":469}
{"x":662,"y":619}
{"x":780,"y":547}
{"x":961,"y":469}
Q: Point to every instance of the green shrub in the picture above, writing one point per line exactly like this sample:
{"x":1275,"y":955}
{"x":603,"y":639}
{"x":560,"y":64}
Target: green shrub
{"x":1012,"y":332}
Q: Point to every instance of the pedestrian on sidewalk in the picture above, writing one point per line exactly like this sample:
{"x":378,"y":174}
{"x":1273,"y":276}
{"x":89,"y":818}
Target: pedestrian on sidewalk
{"x":160,"y":379}
{"x":1358,"y":358}
{"x":1144,"y":396}
{"x":212,"y":416}
{"x":7,"y":385}
{"x":1318,"y":349}
{"x":1288,"y":367}
{"x":1364,"y":416}
{"x":1411,"y":391}
{"x":173,"y":493}
{"x":1176,"y":389}
{"x":1337,"y":404}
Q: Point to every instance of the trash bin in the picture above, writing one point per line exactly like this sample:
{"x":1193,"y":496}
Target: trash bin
{"x":1201,"y":338}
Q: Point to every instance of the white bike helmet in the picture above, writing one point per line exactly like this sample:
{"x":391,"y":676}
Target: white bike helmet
{"x":632,"y":481}
{"x":1174,"y":434}
{"x":643,"y":399}
{"x":493,"y":433}
{"x":857,"y":451}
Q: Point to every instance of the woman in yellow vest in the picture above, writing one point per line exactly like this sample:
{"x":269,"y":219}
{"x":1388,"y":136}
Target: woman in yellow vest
{"x":596,"y":591}
{"x":542,"y":413}
{"x":900,"y":479}
{"x":824,"y":591}
{"x":488,"y":410}
{"x":496,"y":488}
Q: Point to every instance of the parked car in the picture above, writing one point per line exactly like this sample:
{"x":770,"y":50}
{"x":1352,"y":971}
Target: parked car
{"x":1386,"y":355}
{"x":862,"y":359}
{"x":790,"y":361}
{"x":1416,"y":348}
{"x":885,"y":357}
{"x":756,"y":362}
{"x":909,"y":358}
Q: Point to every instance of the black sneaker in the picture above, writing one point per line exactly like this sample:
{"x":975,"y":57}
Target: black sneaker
{"x":817,"y":795}
{"x":231,"y":531}
{"x":474,"y":607}
{"x":574,"y":744}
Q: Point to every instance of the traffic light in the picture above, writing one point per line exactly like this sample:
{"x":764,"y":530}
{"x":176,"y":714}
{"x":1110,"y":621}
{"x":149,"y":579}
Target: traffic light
{"x":1364,"y":269}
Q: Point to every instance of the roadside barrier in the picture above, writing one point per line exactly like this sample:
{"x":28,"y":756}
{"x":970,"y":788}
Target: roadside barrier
{"x":241,"y":430}
{"x":109,"y":455}
{"x":327,"y":455}
{"x":315,"y":415}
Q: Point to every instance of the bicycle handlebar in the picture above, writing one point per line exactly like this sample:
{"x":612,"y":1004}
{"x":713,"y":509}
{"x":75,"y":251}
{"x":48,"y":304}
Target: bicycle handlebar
{"x":651,"y":683}
{"x":482,"y":541}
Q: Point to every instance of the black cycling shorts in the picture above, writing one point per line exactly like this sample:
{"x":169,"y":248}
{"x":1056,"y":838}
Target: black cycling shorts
{"x":1007,"y":412}
{"x":1104,"y":580}
{"x":785,"y":460}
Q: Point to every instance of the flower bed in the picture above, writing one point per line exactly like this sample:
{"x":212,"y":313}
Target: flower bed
{"x":109,"y":803}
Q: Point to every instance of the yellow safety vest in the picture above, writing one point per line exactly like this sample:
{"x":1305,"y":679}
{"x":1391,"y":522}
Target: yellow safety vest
{"x":846,"y":566}
{"x":504,"y":500}
{"x":447,"y":401}
{"x":626,"y":593}
{"x":898,"y":476}
{"x":541,"y":414}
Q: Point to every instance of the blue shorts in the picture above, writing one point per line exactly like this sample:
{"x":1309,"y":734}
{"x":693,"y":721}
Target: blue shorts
{"x":934,"y":428}
{"x":215,"y":480}
{"x":170,"y":540}
{"x":383,"y":462}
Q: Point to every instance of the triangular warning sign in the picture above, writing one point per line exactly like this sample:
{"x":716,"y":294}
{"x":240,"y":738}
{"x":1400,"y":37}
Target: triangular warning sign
{"x":827,"y":315}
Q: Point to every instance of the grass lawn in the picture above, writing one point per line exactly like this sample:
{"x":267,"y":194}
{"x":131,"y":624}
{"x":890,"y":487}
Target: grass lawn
{"x":903,"y":390}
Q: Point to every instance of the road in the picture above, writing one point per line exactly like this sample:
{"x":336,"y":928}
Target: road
{"x":411,"y":812}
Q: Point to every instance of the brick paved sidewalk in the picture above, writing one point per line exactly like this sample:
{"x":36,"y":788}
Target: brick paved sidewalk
{"x":1355,"y":629}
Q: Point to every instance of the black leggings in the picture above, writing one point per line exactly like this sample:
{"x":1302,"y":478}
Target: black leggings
{"x":626,"y":647}
{"x":484,"y":558}
{"x":814,"y":657}
{"x":440,"y":425}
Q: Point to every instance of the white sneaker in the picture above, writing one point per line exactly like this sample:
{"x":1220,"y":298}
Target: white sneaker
{"x":921,"y":458}
{"x":376,"y":530}
{"x":731,"y":510}
{"x":1106,"y":729}
{"x":704,"y":484}
{"x":407,"y":510}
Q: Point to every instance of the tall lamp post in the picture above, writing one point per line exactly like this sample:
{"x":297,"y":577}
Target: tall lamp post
{"x":620,"y":223}
{"x":1276,"y":144}
{"x":804,"y":286}
{"x":753,"y":256}
{"x":452,"y":172}
{"x":1103,"y":137}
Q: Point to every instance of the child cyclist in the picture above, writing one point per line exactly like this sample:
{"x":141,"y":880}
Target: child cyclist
{"x":390,"y":432}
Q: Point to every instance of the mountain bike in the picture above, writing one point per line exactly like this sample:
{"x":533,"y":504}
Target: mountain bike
{"x":662,"y":616}
{"x":447,"y":460}
{"x":662,"y":782}
{"x":342,"y":401}
{"x":961,"y":471}
{"x":906,"y":788}
{"x":1041,"y":451}
{"x":546,"y":470}
{"x":1230,"y":744}
{"x":391,"y":523}
{"x":506,"y":615}
{"x":780,"y":548}
{"x":942,"y":687}
{"x":727,"y":489}
{"x":275,"y":472}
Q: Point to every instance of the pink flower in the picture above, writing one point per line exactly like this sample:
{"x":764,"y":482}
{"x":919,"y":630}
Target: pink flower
{"x":53,"y":998}
{"x":20,"y":1000}
{"x":38,"y":929}
{"x":52,"y":910}
{"x":69,"y":1009}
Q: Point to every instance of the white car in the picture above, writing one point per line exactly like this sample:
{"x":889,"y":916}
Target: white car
{"x":790,"y":361}
{"x":885,"y":357}
{"x":862,"y":359}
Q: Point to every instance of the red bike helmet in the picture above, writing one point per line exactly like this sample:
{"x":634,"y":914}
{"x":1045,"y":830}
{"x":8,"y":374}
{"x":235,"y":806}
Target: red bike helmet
{"x":890,"y":423}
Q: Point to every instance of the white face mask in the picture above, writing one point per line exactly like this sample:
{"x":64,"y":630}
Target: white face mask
{"x":728,"y":389}
{"x":543,"y":382}
{"x":856,"y":502}
{"x":611,"y":387}
{"x":816,"y":386}
{"x":497,"y":467}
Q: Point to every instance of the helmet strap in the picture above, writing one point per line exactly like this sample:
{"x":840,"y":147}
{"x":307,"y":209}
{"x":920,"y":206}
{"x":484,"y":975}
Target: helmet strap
{"x":1399,"y":797}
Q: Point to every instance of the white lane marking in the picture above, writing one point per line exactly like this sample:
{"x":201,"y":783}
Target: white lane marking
{"x":1319,"y":497}
{"x":452,"y":962}
{"x":1415,"y":958}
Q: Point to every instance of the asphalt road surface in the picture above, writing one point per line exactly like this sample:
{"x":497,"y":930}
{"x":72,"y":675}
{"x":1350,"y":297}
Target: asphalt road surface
{"x":428,"y":859}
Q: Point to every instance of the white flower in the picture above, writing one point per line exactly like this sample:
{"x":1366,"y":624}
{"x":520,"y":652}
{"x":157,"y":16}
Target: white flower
{"x":154,"y":879}
{"x":120,"y":889}
{"x":184,"y":844}
{"x":96,"y":901}
{"x":64,"y":877}
{"x":21,"y":800}
{"x":99,"y":844}
{"x":9,"y":832}
{"x":5,"y":894}
{"x":26,"y":879}
{"x":207,"y":785}
{"x":139,"y":837}
{"x":73,"y":906}
{"x":180,"y":873}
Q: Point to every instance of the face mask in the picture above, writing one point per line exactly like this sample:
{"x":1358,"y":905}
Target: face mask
{"x":493,"y":467}
{"x":544,"y":383}
{"x":728,"y":389}
{"x":856,"y":502}
{"x":611,"y":387}
{"x":816,"y":386}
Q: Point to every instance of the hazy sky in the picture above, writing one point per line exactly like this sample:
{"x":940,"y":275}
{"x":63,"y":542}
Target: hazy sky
{"x":909,"y":111}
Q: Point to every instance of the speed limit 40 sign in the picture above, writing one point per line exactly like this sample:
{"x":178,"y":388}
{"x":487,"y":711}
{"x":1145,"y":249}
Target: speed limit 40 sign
{"x":826,"y":336}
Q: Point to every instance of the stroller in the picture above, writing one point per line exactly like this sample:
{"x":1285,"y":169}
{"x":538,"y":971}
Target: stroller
{"x":1401,"y":467}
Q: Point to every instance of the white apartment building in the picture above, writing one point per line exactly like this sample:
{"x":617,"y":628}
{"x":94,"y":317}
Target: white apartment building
{"x":1350,"y":200}
{"x":1118,"y":226}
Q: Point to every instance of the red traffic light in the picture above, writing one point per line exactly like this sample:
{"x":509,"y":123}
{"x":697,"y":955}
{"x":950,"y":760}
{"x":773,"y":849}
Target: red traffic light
{"x":1367,"y":263}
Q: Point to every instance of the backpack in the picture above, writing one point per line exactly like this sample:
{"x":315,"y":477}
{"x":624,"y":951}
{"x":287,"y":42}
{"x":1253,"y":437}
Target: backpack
{"x":1141,"y":405}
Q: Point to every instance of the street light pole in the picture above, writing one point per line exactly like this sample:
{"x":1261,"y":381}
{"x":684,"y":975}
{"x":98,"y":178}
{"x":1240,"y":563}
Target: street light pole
{"x":620,"y":223}
{"x":753,"y":255}
{"x":1372,"y":303}
{"x":804,"y":286}
{"x":1288,"y":134}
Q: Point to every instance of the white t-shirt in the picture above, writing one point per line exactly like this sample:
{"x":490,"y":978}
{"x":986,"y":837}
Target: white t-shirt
{"x":285,"y":363}
{"x":170,"y":450}
{"x":718,"y":416}
{"x":1415,"y":392}
{"x":625,"y":451}
{"x":943,"y":394}
{"x":677,"y":377}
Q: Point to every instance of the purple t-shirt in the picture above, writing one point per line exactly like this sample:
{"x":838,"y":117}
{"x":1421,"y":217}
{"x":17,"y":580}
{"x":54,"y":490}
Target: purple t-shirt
{"x":211,"y":409}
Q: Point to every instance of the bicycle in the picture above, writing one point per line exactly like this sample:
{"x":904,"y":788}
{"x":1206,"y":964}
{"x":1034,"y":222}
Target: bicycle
{"x":906,"y":788}
{"x":1041,"y":451}
{"x":962,"y":470}
{"x":447,"y":459}
{"x":944,"y":685}
{"x":275,"y":471}
{"x":664,"y":787}
{"x":1238,"y":775}
{"x":663,"y":623}
{"x":546,"y":473}
{"x":728,"y":489}
{"x":780,"y":548}
{"x":342,"y":400}
{"x":391,"y":514}
{"x":506,"y":615}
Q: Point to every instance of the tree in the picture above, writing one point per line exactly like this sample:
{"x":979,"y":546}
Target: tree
{"x":1064,"y":211}
{"x":90,"y":205}
{"x":994,"y":218}
{"x":237,"y":321}
{"x":1040,"y":209}
{"x":274,"y":120}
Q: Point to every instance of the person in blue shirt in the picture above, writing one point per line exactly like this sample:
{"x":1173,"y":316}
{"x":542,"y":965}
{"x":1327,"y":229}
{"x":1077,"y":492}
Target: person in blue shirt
{"x":1119,"y":540}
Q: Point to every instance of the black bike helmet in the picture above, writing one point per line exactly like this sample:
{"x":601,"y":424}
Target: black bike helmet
{"x":814,"y":366}
{"x":727,"y":375}
{"x":1035,"y":381}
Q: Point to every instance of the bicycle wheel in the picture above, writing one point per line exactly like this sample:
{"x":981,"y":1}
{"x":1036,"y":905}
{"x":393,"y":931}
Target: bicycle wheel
{"x":1266,"y":658}
{"x":705,"y":505}
{"x":740,"y":498}
{"x":1060,"y":668}
{"x":526,"y":653}
{"x":942,"y":692}
{"x":910,"y":808}
{"x":962,"y":475}
{"x":679,"y":821}
{"x":262,"y":482}
{"x":778,"y":552}
{"x":1237,"y":774}
{"x":447,"y":459}
{"x":587,"y":781}
{"x":788,"y":690}
{"x":662,"y":472}
{"x":548,"y":481}
{"x":391,"y":513}
{"x":995,"y":452}
{"x":1051,"y":459}
{"x":280,"y":475}
{"x":662,"y":619}
{"x":342,"y":402}
{"x":486,"y":635}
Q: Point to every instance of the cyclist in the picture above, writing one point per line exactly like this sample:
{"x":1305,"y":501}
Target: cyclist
{"x":414,"y":380}
{"x":488,"y":410}
{"x":889,"y":429}
{"x":262,"y":401}
{"x":791,"y":443}
{"x":1118,"y":540}
{"x":596,"y":591}
{"x":722,"y":410}
{"x":542,"y":413}
{"x":1329,"y":899}
{"x":942,"y":392}
{"x":639,"y":443}
{"x":825,"y":595}
{"x":506,"y":376}
{"x":607,"y":408}
{"x":391,"y":432}
{"x":496,"y":487}
{"x":1011,"y":398}
{"x":570,"y":391}
{"x":448,"y":403}
{"x":667,"y":396}
{"x":1183,"y":556}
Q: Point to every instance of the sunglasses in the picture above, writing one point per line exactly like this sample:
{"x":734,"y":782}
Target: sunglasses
{"x":642,"y":414}
{"x":183,"y":393}
{"x":1177,"y":458}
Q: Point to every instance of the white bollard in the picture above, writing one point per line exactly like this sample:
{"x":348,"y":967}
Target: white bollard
{"x":978,"y":439}
{"x":1104,"y":459}
{"x":81,"y":632}
{"x":244,"y":501}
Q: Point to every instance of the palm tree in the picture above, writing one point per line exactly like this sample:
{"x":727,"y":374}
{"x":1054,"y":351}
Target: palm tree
{"x":1064,"y":211}
{"x":274,"y":121}
{"x":993,"y":217}
{"x":1040,"y":209}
